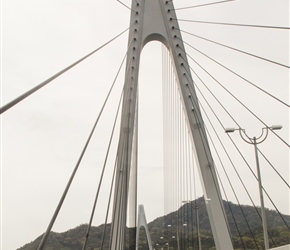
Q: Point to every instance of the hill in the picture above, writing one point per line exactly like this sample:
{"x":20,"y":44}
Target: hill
{"x":247,"y":235}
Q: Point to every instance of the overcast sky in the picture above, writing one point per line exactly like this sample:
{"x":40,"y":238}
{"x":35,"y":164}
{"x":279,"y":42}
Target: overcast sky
{"x":43,"y":136}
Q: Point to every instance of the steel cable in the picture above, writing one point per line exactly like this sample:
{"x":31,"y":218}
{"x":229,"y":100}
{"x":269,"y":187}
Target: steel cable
{"x":45,"y":236}
{"x":254,"y":176}
{"x":234,"y":24}
{"x":202,"y":5}
{"x":102,"y":174}
{"x":243,"y":78}
{"x":33,"y":90}
{"x":235,"y":49}
{"x":240,"y":102}
{"x":274,"y":169}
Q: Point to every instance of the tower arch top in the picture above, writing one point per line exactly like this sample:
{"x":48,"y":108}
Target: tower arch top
{"x":155,"y":37}
{"x":148,"y":19}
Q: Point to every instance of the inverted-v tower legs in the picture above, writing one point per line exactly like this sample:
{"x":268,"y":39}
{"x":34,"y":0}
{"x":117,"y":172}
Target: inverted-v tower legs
{"x":142,"y":223}
{"x":156,"y":20}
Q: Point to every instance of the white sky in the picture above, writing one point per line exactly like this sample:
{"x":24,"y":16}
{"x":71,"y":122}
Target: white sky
{"x":43,"y":136}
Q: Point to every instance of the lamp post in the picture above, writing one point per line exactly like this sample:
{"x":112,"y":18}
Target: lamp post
{"x":169,"y":232}
{"x":254,"y":141}
{"x":196,"y":207}
{"x":184,"y":234}
{"x":172,"y":244}
{"x":197,"y":222}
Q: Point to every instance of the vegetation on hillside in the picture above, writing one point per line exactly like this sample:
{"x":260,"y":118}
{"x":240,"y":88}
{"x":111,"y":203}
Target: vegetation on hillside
{"x":163,"y":231}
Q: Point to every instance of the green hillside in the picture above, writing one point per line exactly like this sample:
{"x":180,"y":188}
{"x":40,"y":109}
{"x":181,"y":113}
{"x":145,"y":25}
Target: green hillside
{"x":161,"y":232}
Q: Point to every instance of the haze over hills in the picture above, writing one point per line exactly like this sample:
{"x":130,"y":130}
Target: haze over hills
{"x":247,"y":235}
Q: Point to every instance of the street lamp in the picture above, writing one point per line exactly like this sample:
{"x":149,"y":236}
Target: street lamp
{"x":167,"y":244}
{"x":254,"y":141}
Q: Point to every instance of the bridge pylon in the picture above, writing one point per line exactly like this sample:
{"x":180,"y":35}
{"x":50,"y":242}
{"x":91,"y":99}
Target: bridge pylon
{"x":156,"y":20}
